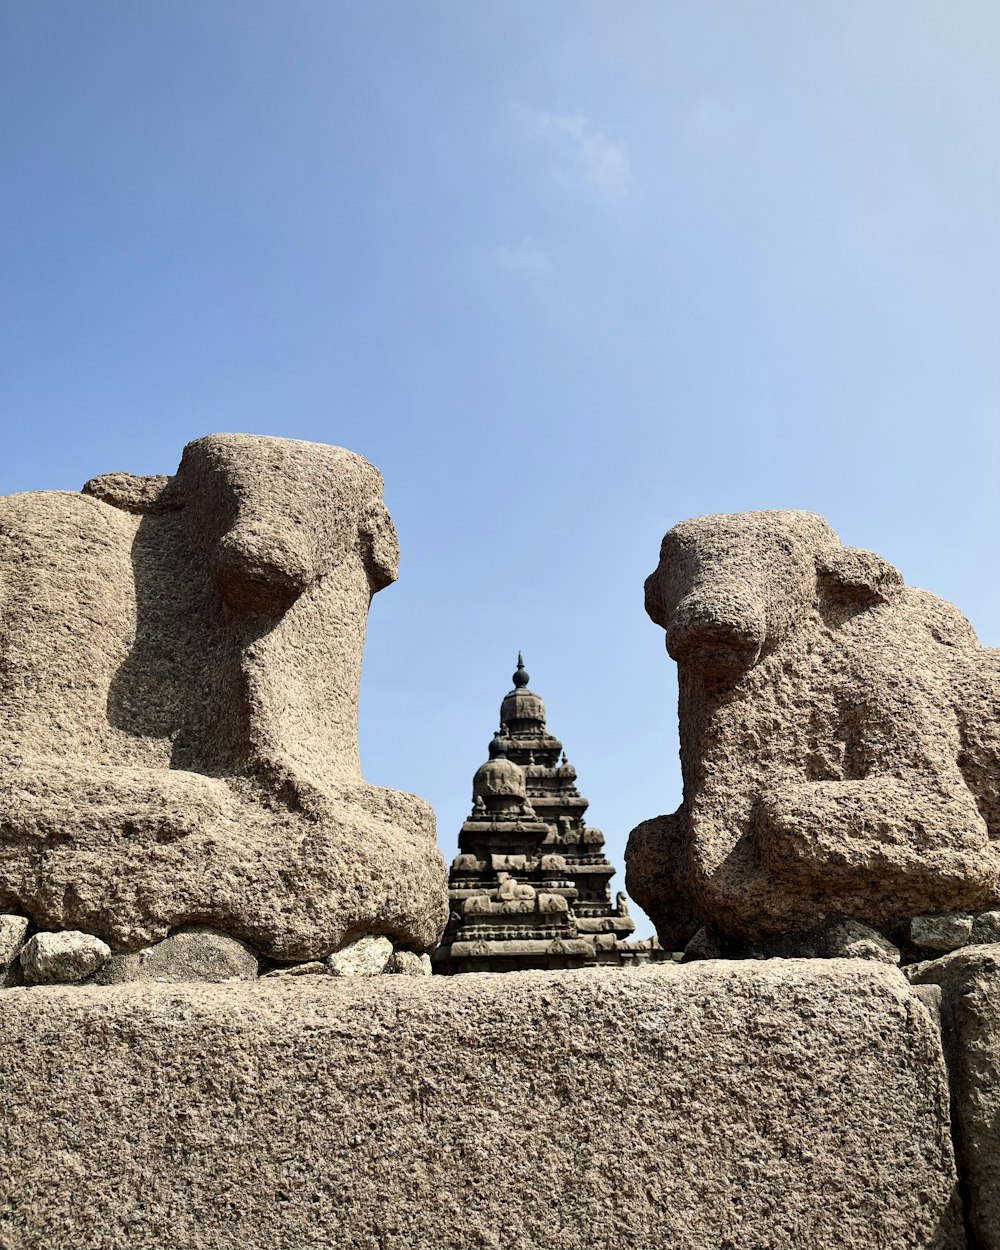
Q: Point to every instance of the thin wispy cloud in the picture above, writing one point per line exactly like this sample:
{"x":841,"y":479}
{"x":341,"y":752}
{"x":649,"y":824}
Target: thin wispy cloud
{"x":581,"y":153}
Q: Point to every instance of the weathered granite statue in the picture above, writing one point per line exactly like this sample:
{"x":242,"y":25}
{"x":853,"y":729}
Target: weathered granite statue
{"x":178,"y":707}
{"x":840,"y":738}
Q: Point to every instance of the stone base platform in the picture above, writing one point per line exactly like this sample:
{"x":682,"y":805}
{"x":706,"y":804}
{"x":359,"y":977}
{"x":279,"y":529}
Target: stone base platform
{"x":713,"y":1106}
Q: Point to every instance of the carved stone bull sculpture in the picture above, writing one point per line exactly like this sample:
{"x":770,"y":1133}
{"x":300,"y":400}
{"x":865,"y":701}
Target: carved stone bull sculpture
{"x":179,"y":670}
{"x":840,"y":738}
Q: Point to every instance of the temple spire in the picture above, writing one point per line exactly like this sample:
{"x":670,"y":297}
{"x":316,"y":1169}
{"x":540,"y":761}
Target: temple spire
{"x":530,"y":885}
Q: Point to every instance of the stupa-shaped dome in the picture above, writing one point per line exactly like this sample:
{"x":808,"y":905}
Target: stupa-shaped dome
{"x":521,"y":706}
{"x":499,"y":777}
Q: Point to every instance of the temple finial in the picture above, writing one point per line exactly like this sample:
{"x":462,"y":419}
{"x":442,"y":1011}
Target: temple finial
{"x":521,"y":676}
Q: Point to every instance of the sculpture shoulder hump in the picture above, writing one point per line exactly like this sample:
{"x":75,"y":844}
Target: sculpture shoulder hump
{"x":945,"y":623}
{"x":134,"y":493}
{"x":46,"y":512}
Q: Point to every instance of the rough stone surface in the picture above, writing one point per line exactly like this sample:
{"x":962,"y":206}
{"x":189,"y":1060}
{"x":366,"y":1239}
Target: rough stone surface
{"x":931,"y":997}
{"x":986,"y":928}
{"x":849,"y":939}
{"x":309,"y":969}
{"x":840,"y":744}
{"x":838,"y":939}
{"x":65,"y":957}
{"x":408,"y":964}
{"x":969,"y":980}
{"x":703,"y":945}
{"x":178,"y":707}
{"x":941,"y":933}
{"x":757,"y":1106}
{"x":13,"y":931}
{"x":367,"y":957}
{"x":196,"y":954}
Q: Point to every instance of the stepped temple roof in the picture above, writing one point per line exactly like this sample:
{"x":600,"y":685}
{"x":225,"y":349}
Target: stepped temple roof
{"x":530,"y":886}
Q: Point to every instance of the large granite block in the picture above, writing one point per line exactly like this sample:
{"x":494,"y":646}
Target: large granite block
{"x":970,"y":985}
{"x":716,"y":1106}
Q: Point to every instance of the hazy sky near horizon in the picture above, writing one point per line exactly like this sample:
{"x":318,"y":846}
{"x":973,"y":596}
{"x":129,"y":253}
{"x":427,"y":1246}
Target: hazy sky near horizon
{"x":566,"y":272}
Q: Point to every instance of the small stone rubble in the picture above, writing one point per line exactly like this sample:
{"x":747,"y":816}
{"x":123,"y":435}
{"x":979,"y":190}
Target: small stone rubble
{"x":298,"y":970}
{"x":367,"y":957}
{"x":852,"y":940}
{"x":194,"y":954}
{"x":941,"y":933}
{"x":13,"y":935}
{"x":409,"y":964}
{"x":925,"y":938}
{"x":202,"y":954}
{"x":62,"y":958}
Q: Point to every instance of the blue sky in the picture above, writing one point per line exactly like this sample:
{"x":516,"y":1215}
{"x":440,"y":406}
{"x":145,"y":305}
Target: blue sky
{"x":567,"y":272}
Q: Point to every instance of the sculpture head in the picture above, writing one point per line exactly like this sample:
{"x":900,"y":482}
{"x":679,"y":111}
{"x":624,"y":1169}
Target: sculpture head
{"x":271,"y":515}
{"x":729,"y":588}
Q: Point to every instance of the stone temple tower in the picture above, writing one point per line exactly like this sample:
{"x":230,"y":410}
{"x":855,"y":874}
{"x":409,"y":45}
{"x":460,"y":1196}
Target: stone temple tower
{"x":530,"y":885}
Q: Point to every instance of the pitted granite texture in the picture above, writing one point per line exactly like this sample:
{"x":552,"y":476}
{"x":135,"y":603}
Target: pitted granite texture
{"x":13,"y":933}
{"x":717,"y":1106}
{"x":195,"y":954}
{"x":840,"y":738}
{"x":62,"y":958}
{"x":969,"y":982}
{"x":178,"y":707}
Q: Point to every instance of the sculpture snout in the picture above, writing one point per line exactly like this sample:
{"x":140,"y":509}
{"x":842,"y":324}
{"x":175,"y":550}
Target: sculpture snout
{"x":259,"y":573}
{"x":721,"y":635}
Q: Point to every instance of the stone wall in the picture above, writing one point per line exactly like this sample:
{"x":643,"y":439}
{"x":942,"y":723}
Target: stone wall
{"x":200,"y":896}
{"x":969,"y":982}
{"x":720,"y":1106}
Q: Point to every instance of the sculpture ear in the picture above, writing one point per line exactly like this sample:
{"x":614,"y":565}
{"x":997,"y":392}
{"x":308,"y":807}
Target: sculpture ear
{"x":137,"y":494}
{"x":379,"y":546}
{"x":849,"y":573}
